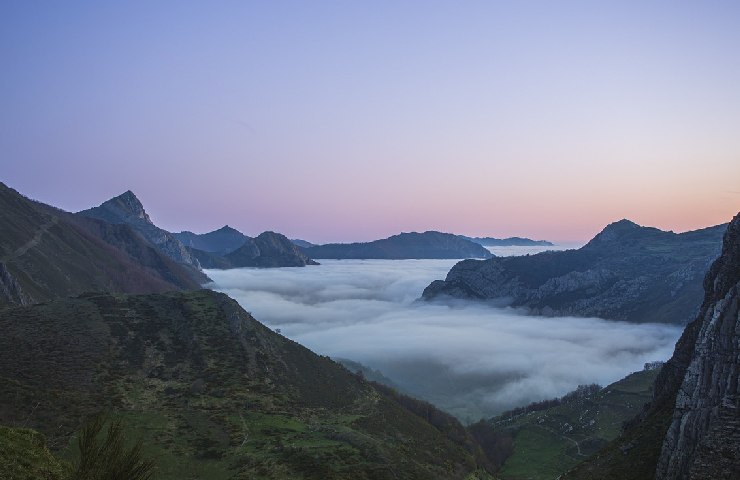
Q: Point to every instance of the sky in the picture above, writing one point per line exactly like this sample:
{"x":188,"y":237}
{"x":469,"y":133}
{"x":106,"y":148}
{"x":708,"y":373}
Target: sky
{"x":350,"y":121}
{"x":469,"y":358}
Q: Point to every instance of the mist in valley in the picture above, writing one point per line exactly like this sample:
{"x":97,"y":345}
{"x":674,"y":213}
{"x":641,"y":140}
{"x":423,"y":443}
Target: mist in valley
{"x":469,"y":358}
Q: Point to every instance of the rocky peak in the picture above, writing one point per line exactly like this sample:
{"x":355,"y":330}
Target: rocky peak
{"x":614,"y":232}
{"x":128,"y":205}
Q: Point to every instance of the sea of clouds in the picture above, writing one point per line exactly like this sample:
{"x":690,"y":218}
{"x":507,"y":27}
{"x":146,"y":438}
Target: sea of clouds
{"x":469,"y":358}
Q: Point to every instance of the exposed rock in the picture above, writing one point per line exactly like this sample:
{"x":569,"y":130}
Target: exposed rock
{"x":47,"y":253}
{"x":627,"y":272}
{"x":126,"y":208}
{"x":403,"y":246}
{"x":10,"y":290}
{"x":703,"y":440}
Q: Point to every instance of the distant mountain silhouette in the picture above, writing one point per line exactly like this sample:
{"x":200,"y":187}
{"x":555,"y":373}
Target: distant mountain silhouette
{"x":508,"y":242}
{"x":267,"y":250}
{"x":403,"y":246}
{"x":221,"y":242}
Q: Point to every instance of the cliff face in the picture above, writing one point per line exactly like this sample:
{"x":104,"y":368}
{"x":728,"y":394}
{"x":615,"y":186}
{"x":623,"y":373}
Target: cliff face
{"x":627,"y":272}
{"x":126,"y":208}
{"x":703,"y":439}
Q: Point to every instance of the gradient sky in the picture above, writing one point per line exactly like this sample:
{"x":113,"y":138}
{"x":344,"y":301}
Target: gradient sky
{"x":348,"y":120}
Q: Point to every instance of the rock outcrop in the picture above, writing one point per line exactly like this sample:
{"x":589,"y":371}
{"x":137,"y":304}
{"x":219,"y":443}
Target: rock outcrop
{"x":126,"y":208}
{"x":703,"y":439}
{"x":403,"y":246}
{"x":627,"y":272}
{"x":10,"y":289}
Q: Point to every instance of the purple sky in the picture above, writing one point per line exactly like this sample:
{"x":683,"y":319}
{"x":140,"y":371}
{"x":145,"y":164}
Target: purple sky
{"x":338,"y":121}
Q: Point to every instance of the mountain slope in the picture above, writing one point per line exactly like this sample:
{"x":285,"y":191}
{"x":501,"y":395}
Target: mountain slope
{"x":691,"y":430}
{"x":545,"y":439}
{"x":214,"y":393}
{"x":127,"y":209}
{"x":46,"y":253}
{"x":627,"y":272}
{"x":403,"y":246}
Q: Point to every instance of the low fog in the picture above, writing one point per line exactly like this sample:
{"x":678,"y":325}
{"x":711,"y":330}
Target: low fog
{"x":468,"y":358}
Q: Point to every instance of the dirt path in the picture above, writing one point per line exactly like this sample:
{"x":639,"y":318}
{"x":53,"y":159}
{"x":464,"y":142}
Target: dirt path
{"x":33,"y":242}
{"x":578,"y":447}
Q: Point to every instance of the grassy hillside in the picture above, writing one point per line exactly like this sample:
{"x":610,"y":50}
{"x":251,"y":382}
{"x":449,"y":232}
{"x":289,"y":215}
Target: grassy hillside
{"x":543,"y":444}
{"x":214,"y":393}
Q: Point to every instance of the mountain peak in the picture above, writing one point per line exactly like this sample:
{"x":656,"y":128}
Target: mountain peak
{"x":128,"y":204}
{"x":614,"y":232}
{"x":227,"y":229}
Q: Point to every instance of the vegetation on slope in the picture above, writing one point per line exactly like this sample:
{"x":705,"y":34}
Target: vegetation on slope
{"x":214,"y":394}
{"x":548,"y":438}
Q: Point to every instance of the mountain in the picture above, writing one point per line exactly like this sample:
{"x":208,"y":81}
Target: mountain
{"x":626,"y":272}
{"x":127,"y":209}
{"x":691,"y":429}
{"x":508,"y":242}
{"x":215,"y":394}
{"x":221,"y":242}
{"x":46,"y":253}
{"x":403,"y":246}
{"x":544,"y":439}
{"x":269,"y":249}
{"x":302,"y":243}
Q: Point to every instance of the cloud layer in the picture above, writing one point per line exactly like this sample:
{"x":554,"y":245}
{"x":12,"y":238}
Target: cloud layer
{"x":469,"y":358}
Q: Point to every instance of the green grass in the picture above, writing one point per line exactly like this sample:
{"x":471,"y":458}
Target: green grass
{"x":545,"y":441}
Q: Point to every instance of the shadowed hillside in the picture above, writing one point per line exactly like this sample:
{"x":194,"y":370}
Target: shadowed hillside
{"x":46,"y":253}
{"x":214,"y":393}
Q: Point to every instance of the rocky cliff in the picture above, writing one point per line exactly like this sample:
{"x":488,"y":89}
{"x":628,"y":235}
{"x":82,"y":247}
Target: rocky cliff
{"x":403,"y":246}
{"x":691,"y":429}
{"x":627,"y":272}
{"x":703,"y":439}
{"x":126,"y":208}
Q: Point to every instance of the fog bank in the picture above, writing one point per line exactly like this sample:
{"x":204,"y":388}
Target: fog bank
{"x":468,"y":358}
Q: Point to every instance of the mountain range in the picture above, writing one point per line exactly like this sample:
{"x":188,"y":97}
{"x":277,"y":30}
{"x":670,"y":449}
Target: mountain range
{"x":403,"y":246}
{"x":103,"y":311}
{"x":508,"y":242}
{"x":46,"y":253}
{"x":222,"y":248}
{"x":626,"y":272}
